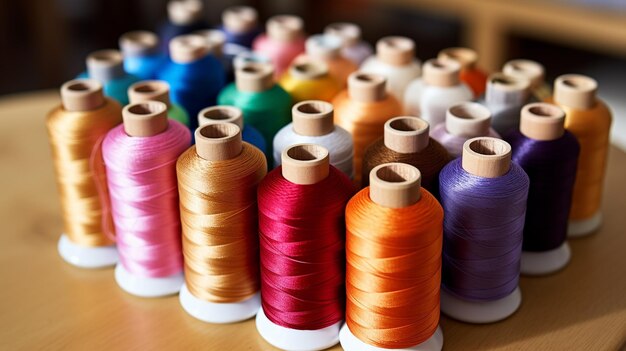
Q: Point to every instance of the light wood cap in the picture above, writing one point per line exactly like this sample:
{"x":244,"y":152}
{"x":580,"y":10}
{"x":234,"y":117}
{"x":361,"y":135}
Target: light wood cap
{"x":486,"y":157}
{"x":441,"y":73}
{"x":396,"y":51}
{"x":542,"y":121}
{"x":188,"y":48}
{"x":82,"y":95}
{"x":406,"y":134}
{"x":395,"y":185}
{"x":254,"y":77}
{"x":366,"y":87}
{"x":240,"y":19}
{"x":149,"y":90}
{"x":304,"y":67}
{"x":285,"y":27}
{"x":216,"y":39}
{"x":183,"y":12}
{"x":221,"y":114}
{"x":349,"y":33}
{"x":144,"y":119}
{"x":218,"y":141}
{"x":105,"y":65}
{"x":466,"y":57}
{"x":139,"y":43}
{"x":505,"y":89}
{"x":528,"y":69}
{"x":305,"y":164}
{"x":323,"y":46}
{"x":575,"y":91}
{"x":312,"y":118}
{"x":468,"y":119}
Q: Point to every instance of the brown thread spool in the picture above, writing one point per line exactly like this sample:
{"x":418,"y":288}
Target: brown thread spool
{"x":406,"y":140}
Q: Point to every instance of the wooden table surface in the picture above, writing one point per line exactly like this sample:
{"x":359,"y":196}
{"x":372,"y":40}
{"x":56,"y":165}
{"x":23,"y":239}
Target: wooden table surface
{"x":48,"y":304}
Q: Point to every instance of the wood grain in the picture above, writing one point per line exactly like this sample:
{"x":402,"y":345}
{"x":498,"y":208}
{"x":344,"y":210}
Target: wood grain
{"x":48,"y":304}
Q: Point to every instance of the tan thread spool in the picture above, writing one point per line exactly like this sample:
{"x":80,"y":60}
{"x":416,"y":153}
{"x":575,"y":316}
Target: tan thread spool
{"x":395,"y":185}
{"x":395,"y":51}
{"x":139,"y":43}
{"x":468,"y":119}
{"x":145,"y":119}
{"x":285,"y":28}
{"x":254,"y":77}
{"x":366,"y":87}
{"x":441,"y":73}
{"x":406,"y":134}
{"x":218,"y":141}
{"x":466,"y":57}
{"x":82,"y":95}
{"x":305,"y":164}
{"x":184,"y":12}
{"x":486,"y":157}
{"x":221,"y":114}
{"x":542,"y":121}
{"x":105,"y":65}
{"x":150,"y":90}
{"x":188,"y":48}
{"x":240,"y":19}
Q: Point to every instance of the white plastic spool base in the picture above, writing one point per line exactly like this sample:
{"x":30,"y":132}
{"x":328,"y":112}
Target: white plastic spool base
{"x":148,"y":286}
{"x":577,"y":229}
{"x":221,"y":313}
{"x":478,"y":311}
{"x":349,"y":342}
{"x":545,"y":262}
{"x":296,"y":340}
{"x":86,"y":256}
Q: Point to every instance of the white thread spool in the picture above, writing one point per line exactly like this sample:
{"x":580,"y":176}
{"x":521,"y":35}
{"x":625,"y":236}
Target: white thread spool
{"x":353,"y":47}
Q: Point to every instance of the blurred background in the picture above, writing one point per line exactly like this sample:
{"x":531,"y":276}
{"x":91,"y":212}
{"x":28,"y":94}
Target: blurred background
{"x":44,"y":42}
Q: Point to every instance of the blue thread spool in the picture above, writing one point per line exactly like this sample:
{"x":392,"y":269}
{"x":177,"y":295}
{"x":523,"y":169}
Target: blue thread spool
{"x":140,"y":50}
{"x":107,"y":67}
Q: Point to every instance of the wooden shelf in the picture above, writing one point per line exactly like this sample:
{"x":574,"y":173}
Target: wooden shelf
{"x":48,"y":304}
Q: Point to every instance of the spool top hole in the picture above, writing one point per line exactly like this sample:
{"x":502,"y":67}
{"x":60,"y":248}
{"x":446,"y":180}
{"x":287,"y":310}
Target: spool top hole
{"x":488,"y":147}
{"x":220,"y":114}
{"x":219,"y":130}
{"x":544,"y":111}
{"x":307,"y":152}
{"x":397,"y":173}
{"x":79,"y":87}
{"x":146,"y":108}
{"x":314,"y":108}
{"x":408,"y":124}
{"x":469,"y":111}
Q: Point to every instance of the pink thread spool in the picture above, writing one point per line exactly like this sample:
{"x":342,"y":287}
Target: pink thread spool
{"x":283,"y":41}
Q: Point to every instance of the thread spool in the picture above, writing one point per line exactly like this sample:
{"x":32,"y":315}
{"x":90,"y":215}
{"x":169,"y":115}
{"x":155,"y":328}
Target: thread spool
{"x":464,"y":121}
{"x":75,"y":129}
{"x":395,"y":61}
{"x":303,"y":199}
{"x":362,"y":109}
{"x":140,"y":159}
{"x":353,"y":47}
{"x":313,"y":124}
{"x":309,"y":79}
{"x":406,"y":140}
{"x":221,"y":50}
{"x":183,"y":17}
{"x":194,"y":76}
{"x":217,"y":182}
{"x":107,"y":66}
{"x":157,"y":90}
{"x":483,"y":195}
{"x":548,"y":154}
{"x":265,"y":105}
{"x":240,"y":25}
{"x":589,"y":119}
{"x":327,"y":49}
{"x":393,"y":220}
{"x":439,"y":88}
{"x":140,"y":50}
{"x":234,"y":115}
{"x":282,"y":42}
{"x":505,"y":97}
{"x":470,"y":74}
{"x":533,"y":71}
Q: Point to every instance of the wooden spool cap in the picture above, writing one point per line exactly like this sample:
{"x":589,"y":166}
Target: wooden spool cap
{"x":149,"y":90}
{"x":285,"y":28}
{"x":466,"y":57}
{"x":254,"y":77}
{"x":307,"y":69}
{"x":221,"y":114}
{"x":505,"y":89}
{"x":395,"y":51}
{"x":528,"y":69}
{"x":542,"y":121}
{"x":105,"y":65}
{"x":441,"y":73}
{"x":240,"y":19}
{"x":395,"y":185}
{"x":144,"y":119}
{"x":184,"y":12}
{"x":188,"y":48}
{"x":366,"y":87}
{"x":575,"y":91}
{"x":349,"y":33}
{"x":218,"y":141}
{"x":468,"y":119}
{"x":406,"y":134}
{"x":216,"y":39}
{"x":312,"y":118}
{"x":323,"y":46}
{"x":305,"y":164}
{"x":139,"y":43}
{"x":486,"y":157}
{"x":82,"y":95}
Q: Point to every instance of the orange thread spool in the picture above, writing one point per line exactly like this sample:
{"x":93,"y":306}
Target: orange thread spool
{"x":307,"y":79}
{"x":362,"y":110}
{"x":394,"y":238}
{"x":470,"y":74}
